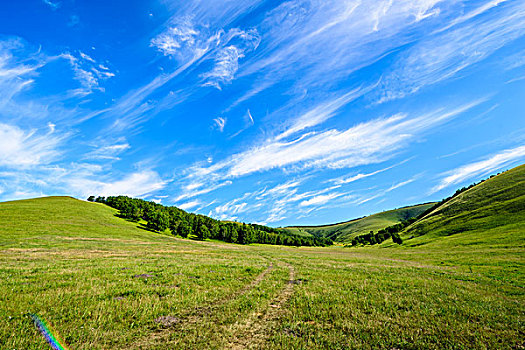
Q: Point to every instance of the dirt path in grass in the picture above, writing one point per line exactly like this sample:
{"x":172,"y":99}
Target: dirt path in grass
{"x":252,"y":333}
{"x":199,"y":312}
{"x":172,"y":323}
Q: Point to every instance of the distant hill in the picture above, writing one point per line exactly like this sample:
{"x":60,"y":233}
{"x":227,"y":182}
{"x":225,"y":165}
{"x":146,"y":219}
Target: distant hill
{"x":492,"y":212}
{"x":345,"y":231}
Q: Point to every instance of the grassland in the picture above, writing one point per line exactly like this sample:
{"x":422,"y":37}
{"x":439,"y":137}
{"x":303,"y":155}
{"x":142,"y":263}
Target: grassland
{"x":345,"y":231}
{"x":103,"y":283}
{"x":492,"y":212}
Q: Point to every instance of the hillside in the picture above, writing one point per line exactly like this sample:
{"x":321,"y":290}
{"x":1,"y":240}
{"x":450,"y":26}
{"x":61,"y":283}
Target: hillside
{"x":345,"y":231}
{"x":59,"y":216}
{"x":491,"y":212}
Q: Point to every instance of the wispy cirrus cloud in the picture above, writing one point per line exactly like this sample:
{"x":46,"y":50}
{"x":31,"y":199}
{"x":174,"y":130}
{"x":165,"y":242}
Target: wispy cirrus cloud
{"x":135,"y":184}
{"x":26,"y":148}
{"x":108,"y":151}
{"x":278,"y":202}
{"x":481,"y":168}
{"x":194,"y":190}
{"x":348,"y":179}
{"x":366,"y":143}
{"x":296,"y":34}
{"x":450,"y":52}
{"x":219,"y":123}
{"x":248,"y":122}
{"x":189,"y":40}
{"x":322,"y":112}
{"x":227,"y":58}
{"x":87,"y":72}
{"x":189,"y":205}
{"x":53,"y":4}
{"x":17,"y":74}
{"x":320,"y":199}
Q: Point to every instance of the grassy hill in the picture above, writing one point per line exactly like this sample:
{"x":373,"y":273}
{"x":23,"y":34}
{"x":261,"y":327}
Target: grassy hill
{"x":345,"y":231}
{"x":492,"y":212}
{"x":58,"y":216}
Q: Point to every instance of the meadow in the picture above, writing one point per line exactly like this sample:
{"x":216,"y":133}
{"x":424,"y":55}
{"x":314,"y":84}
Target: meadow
{"x":101,"y":282}
{"x":345,"y":231}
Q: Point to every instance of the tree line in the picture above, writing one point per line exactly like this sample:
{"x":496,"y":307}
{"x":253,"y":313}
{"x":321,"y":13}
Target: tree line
{"x":179,"y":222}
{"x":383,"y":234}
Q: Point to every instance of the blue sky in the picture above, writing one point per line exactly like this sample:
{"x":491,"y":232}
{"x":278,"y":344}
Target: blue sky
{"x":297,"y":112}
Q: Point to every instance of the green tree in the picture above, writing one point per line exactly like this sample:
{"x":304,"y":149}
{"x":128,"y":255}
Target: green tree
{"x":183,"y":230}
{"x":396,"y":238}
{"x":158,"y":220}
{"x":202,"y":232}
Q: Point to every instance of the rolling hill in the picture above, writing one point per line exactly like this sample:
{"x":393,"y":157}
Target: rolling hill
{"x":345,"y":231}
{"x":492,"y":212}
{"x":58,"y":216}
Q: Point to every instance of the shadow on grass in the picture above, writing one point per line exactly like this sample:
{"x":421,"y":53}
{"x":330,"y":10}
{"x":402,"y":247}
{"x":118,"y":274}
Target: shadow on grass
{"x":146,"y":228}
{"x":118,"y":215}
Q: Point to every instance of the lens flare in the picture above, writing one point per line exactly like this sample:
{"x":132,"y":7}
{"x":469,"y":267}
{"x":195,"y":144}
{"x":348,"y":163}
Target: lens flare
{"x":47,"y":333}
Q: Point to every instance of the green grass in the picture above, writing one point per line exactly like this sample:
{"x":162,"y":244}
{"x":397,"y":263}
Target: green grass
{"x":492,"y":212}
{"x":74,"y":263}
{"x":345,"y":231}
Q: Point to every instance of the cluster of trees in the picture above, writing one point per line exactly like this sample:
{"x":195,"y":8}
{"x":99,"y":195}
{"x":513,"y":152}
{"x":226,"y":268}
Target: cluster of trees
{"x":383,"y":234}
{"x":160,"y":218}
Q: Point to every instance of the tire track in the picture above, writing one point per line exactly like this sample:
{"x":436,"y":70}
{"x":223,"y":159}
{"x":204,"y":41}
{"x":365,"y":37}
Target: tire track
{"x":199,"y":312}
{"x":256,"y":329}
{"x":171,"y":323}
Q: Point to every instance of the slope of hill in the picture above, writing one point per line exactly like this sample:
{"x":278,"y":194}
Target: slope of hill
{"x":58,"y":216}
{"x":490,"y":212}
{"x":345,"y":231}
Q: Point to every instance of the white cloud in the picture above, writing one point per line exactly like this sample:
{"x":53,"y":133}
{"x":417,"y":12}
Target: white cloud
{"x":279,"y":190}
{"x":134,"y":185}
{"x":481,"y":168}
{"x":226,"y":65}
{"x":86,"y":72}
{"x":191,"y":190}
{"x":322,"y":112}
{"x":189,"y":205}
{"x":321,"y":43}
{"x":26,"y":148}
{"x":86,"y":57}
{"x":176,"y":39}
{"x":366,"y":143}
{"x":248,"y":122}
{"x":447,"y":53}
{"x":348,"y":179}
{"x":400,"y":184}
{"x":321,"y":199}
{"x":219,"y":123}
{"x":471,"y":14}
{"x":368,"y":199}
{"x":231,"y":208}
{"x":108,"y":151}
{"x":227,"y":57}
{"x":53,"y":5}
{"x":16,"y":75}
{"x":276,"y":202}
